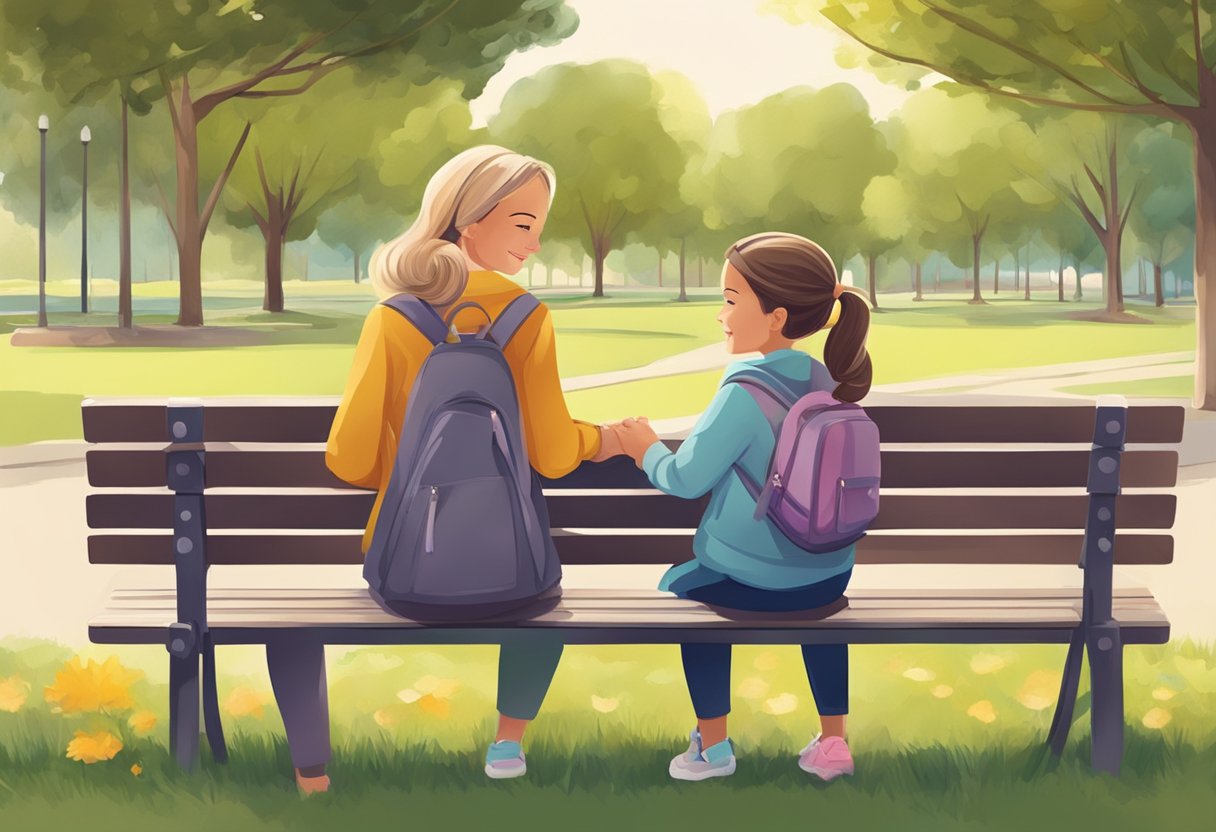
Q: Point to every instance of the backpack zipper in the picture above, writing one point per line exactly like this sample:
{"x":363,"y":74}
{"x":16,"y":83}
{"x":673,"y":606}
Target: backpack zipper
{"x":430,"y":520}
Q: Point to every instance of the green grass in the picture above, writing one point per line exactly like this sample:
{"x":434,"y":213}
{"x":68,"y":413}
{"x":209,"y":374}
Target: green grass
{"x":312,"y":347}
{"x":1157,"y":388}
{"x":923,"y":762}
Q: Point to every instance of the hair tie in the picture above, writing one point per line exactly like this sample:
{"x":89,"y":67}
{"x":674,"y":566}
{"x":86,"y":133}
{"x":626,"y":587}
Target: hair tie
{"x":837,"y":291}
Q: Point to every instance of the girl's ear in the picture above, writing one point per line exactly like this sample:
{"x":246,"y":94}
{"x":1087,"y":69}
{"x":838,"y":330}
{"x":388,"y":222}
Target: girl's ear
{"x":469,"y":231}
{"x":777,"y":319}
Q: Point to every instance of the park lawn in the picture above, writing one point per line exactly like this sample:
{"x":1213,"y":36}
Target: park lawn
{"x":945,"y":737}
{"x":313,"y":346}
{"x":1172,"y":387}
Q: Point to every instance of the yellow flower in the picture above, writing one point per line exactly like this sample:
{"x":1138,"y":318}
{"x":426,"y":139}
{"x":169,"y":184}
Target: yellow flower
{"x":919,"y":674}
{"x":13,"y":692}
{"x":942,"y":691}
{"x":409,"y":696}
{"x":385,"y":718}
{"x":1039,"y":691}
{"x":92,"y":687}
{"x":137,"y":769}
{"x":604,"y":705}
{"x":92,"y":748}
{"x":436,"y":687}
{"x":984,"y":663}
{"x":767,"y":661}
{"x":142,"y":721}
{"x":752,"y":688}
{"x":1157,"y":719}
{"x":783,"y":704}
{"x":435,"y":706}
{"x":1160,"y":694}
{"x":246,"y":702}
{"x":983,"y":711}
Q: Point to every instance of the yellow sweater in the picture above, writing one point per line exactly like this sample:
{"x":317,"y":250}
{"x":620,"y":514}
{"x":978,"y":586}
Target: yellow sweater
{"x":363,"y":440}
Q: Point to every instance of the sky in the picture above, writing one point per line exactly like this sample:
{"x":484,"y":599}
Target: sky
{"x":734,"y":54}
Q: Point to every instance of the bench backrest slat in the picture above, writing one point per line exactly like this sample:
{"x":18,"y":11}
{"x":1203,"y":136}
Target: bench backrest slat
{"x":608,"y":510}
{"x":228,"y":468}
{"x":640,"y":548}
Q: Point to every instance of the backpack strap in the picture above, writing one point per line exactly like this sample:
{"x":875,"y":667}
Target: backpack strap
{"x":511,"y":318}
{"x":422,"y":315}
{"x":774,"y":399}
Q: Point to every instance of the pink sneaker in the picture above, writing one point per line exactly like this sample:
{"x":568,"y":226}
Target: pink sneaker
{"x":826,"y":759}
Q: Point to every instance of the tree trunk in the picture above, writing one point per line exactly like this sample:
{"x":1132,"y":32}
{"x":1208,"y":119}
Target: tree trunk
{"x":1060,"y":279}
{"x":683,"y":298}
{"x":356,"y":268}
{"x":917,"y":281}
{"x":1140,"y":265}
{"x":976,"y":298}
{"x":1158,"y":286}
{"x":601,"y":252}
{"x":872,"y":279}
{"x":700,"y":272}
{"x":937,"y":278}
{"x":1017,"y":269}
{"x":996,"y":276}
{"x":124,"y":229}
{"x":1026,"y":296}
{"x":1113,"y":292}
{"x":272,"y":297}
{"x":660,"y":270}
{"x":189,"y":220}
{"x":1204,"y":130}
{"x":1077,"y":295}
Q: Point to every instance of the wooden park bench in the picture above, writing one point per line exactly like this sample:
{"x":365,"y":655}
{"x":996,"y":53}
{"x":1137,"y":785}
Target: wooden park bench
{"x":191,"y":483}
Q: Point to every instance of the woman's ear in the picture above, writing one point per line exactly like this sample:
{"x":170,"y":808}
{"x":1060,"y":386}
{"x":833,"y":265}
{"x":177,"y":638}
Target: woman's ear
{"x":777,"y":319}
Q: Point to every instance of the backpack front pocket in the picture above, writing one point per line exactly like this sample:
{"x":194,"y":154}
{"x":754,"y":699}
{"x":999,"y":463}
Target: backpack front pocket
{"x":466,"y":539}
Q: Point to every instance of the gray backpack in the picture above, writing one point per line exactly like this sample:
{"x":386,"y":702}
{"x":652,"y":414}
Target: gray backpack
{"x":463,"y":531}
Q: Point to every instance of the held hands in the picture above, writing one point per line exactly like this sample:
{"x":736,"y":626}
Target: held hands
{"x":635,"y":436}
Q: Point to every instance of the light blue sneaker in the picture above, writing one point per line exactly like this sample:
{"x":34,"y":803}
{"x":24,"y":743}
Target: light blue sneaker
{"x":699,"y":763}
{"x":504,"y":760}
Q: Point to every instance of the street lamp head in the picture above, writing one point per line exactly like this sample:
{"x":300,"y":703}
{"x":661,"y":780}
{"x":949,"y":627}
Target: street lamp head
{"x":85,"y":135}
{"x":44,"y":123}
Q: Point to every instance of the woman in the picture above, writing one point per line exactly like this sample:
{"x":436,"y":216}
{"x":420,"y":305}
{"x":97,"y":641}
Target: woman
{"x":777,"y":289}
{"x":482,"y":216}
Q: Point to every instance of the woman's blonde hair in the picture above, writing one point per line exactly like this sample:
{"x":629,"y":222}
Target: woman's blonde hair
{"x":425,"y":261}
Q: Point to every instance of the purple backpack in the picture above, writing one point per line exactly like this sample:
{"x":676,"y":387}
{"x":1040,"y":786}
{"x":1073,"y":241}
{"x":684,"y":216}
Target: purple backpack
{"x":822,"y":485}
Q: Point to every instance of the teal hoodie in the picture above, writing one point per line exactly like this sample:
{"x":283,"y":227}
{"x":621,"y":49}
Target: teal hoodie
{"x":733,"y":429}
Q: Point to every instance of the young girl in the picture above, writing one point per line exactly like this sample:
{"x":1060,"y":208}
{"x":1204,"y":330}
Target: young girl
{"x":481,"y":217}
{"x":777,"y":289}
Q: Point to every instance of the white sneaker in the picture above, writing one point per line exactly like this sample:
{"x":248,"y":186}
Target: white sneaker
{"x":701,"y":764}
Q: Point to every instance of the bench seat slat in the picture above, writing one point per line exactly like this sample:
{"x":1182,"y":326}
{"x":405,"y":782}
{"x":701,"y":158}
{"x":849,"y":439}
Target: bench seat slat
{"x":309,"y":420}
{"x":900,"y":469}
{"x":350,"y":510}
{"x":654,"y":610}
{"x":1061,"y":549}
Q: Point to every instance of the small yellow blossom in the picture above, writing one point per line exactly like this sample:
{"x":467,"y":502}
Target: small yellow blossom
{"x":246,"y":702}
{"x":783,"y":704}
{"x":983,"y":711}
{"x":385,"y":718}
{"x":436,"y":687}
{"x":435,"y":706}
{"x":142,"y":721}
{"x":409,"y":696}
{"x":13,"y":693}
{"x":92,"y":748}
{"x":1039,"y":691}
{"x":603,"y":704}
{"x":752,"y":688}
{"x":919,"y":674}
{"x":985,"y":663}
{"x":942,"y":691}
{"x":1164,"y":694}
{"x":1157,"y":719}
{"x":137,"y":769}
{"x":93,"y":686}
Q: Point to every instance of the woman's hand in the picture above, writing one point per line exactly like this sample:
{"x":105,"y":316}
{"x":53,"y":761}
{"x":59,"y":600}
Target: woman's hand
{"x":610,"y":444}
{"x":636,"y":436}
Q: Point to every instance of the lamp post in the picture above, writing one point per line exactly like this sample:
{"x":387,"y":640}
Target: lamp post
{"x":44,"y":124}
{"x":85,"y":136}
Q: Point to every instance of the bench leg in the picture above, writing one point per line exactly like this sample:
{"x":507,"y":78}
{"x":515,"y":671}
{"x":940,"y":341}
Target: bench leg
{"x":211,"y":708}
{"x":183,"y":710}
{"x":1106,"y":690}
{"x":1062,"y":722}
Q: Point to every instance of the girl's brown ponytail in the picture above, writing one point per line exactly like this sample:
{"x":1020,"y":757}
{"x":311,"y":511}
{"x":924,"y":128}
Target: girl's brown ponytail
{"x":845,"y":354}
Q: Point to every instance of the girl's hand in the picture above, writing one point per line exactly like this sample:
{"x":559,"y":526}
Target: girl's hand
{"x":636,"y":437}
